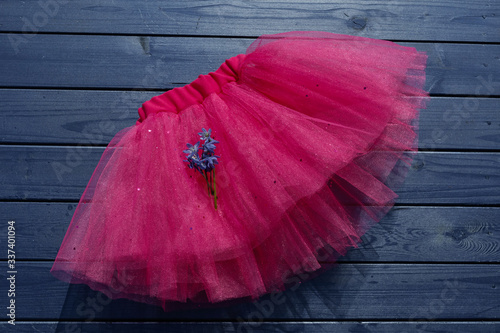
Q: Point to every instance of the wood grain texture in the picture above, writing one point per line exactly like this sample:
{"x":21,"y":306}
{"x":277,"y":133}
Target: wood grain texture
{"x":62,"y":173}
{"x":136,"y":62}
{"x":73,"y":73}
{"x":347,"y":291}
{"x":406,"y":234}
{"x":427,"y":326}
{"x":93,"y":118}
{"x":450,"y":20}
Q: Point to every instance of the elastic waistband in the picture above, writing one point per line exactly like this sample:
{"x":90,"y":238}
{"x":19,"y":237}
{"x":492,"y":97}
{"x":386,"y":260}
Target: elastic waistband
{"x":195,"y":92}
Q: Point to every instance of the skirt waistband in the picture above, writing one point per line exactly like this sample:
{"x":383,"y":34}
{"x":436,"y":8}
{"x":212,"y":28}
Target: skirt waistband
{"x":195,"y":92}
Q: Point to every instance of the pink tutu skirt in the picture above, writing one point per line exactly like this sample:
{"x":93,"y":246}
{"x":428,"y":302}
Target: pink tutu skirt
{"x":315,"y":132}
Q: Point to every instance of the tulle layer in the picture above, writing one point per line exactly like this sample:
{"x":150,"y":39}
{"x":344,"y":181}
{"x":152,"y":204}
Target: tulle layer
{"x":316,"y":130}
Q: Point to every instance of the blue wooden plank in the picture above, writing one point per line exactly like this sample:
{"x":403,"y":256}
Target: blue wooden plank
{"x":346,"y":292}
{"x":159,"y":63}
{"x":444,"y":296}
{"x":131,"y":62}
{"x":93,"y":117}
{"x":61,"y":173}
{"x":254,"y":327}
{"x":406,"y":234}
{"x":67,"y":116}
{"x":470,"y":123}
{"x":452,"y":178}
{"x":474,"y":20}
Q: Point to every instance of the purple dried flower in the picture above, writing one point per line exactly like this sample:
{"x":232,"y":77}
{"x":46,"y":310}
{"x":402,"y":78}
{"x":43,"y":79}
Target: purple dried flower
{"x":210,"y":162}
{"x":205,"y":163}
{"x":192,"y":150}
{"x":204,"y":134}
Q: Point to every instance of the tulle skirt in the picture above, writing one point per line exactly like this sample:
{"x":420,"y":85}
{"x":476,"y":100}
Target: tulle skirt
{"x":315,"y":132}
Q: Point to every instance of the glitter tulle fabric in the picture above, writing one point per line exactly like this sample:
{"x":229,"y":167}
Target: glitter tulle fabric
{"x":316,"y":130}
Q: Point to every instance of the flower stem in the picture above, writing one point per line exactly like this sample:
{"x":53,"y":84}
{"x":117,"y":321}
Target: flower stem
{"x":212,"y":182}
{"x":215,"y":190}
{"x":211,"y":185}
{"x":206,"y":179}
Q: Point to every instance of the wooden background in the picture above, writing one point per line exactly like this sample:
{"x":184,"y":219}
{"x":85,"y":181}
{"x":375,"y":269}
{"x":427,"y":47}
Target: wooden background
{"x":73,"y":73}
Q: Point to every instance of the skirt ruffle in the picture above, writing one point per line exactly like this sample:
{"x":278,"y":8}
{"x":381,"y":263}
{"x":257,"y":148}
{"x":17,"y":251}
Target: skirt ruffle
{"x":316,"y":131}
